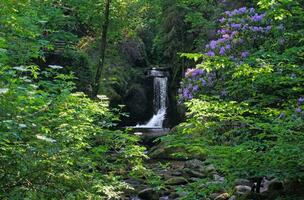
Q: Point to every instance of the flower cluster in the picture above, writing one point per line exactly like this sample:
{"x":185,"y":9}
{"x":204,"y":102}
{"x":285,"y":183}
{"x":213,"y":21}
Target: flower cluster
{"x":195,"y":80}
{"x":236,"y":25}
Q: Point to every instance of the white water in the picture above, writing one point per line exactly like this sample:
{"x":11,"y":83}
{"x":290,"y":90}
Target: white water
{"x":159,"y":104}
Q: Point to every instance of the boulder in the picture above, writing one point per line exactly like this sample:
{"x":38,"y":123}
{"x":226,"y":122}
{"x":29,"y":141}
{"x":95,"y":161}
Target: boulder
{"x":223,"y":196}
{"x":136,"y":101}
{"x":271,"y":188}
{"x":176,"y":181}
{"x":243,"y":190}
{"x":161,"y":151}
{"x":218,"y":178}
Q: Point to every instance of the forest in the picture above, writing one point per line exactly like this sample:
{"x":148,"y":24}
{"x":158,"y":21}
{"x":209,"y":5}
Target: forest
{"x":152,"y":99}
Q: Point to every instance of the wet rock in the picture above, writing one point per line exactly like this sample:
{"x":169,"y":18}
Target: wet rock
{"x":243,"y":182}
{"x":176,"y":181}
{"x":232,"y":198}
{"x":271,"y":188}
{"x":223,"y":196}
{"x":243,"y":190}
{"x":148,"y":194}
{"x":136,"y":101}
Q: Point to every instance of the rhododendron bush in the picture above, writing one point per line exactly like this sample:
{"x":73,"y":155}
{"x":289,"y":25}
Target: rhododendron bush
{"x":245,"y":98}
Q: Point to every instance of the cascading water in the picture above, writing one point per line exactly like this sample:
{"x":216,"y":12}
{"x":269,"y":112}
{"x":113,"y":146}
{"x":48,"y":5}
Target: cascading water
{"x":160,"y":100}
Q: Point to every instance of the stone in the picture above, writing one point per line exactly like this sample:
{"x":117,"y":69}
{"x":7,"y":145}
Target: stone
{"x":271,"y":188}
{"x":177,"y":173}
{"x":243,"y":189}
{"x":176,"y":181}
{"x":242,"y":182}
{"x":148,"y":194}
{"x":164,"y":198}
{"x":214,"y":195}
{"x":210,"y":168}
{"x":136,"y":101}
{"x":232,"y":197}
{"x":194,"y":164}
{"x":218,"y":178}
{"x":193,"y":173}
{"x":223,"y":196}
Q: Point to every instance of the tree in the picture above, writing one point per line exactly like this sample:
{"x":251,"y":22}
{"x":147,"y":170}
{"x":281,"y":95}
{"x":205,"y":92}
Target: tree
{"x":102,"y":47}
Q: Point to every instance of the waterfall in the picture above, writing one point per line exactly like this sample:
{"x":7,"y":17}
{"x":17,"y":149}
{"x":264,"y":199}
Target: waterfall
{"x":160,"y":84}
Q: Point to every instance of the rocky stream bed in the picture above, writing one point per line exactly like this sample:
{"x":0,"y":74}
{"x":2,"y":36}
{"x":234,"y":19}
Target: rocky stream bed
{"x":172,"y":175}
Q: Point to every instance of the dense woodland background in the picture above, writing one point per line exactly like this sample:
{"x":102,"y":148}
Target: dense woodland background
{"x":236,"y":96}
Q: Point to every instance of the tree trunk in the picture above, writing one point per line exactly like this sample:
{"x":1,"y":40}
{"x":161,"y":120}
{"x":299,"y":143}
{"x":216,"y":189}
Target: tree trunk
{"x":102,"y":47}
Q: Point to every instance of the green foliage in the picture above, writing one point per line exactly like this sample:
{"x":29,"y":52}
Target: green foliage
{"x":250,"y":122}
{"x":56,"y":144}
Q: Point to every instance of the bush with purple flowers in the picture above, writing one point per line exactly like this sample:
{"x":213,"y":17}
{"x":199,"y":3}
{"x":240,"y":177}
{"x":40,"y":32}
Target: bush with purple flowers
{"x":250,"y":120}
{"x":195,"y":81}
{"x":241,"y":30}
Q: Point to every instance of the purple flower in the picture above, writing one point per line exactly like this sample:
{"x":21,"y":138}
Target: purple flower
{"x":245,"y":27}
{"x":268,"y":28}
{"x":245,"y":54}
{"x":251,"y":10}
{"x":211,"y":53}
{"x":242,"y":10}
{"x":204,"y":83}
{"x":213,"y":44}
{"x":185,"y":92}
{"x":222,"y":31}
{"x":301,"y":100}
{"x":222,"y":20}
{"x":195,"y":88}
{"x":226,"y":36}
{"x":228,"y":13}
{"x":299,"y":110}
{"x":189,"y":72}
{"x":234,"y":33}
{"x":222,"y":50}
{"x":237,"y":26}
{"x":228,"y":46}
{"x":257,"y":17}
{"x":196,"y":72}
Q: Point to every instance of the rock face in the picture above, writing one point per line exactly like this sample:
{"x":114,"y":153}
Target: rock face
{"x":134,"y":51}
{"x":136,"y":101}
